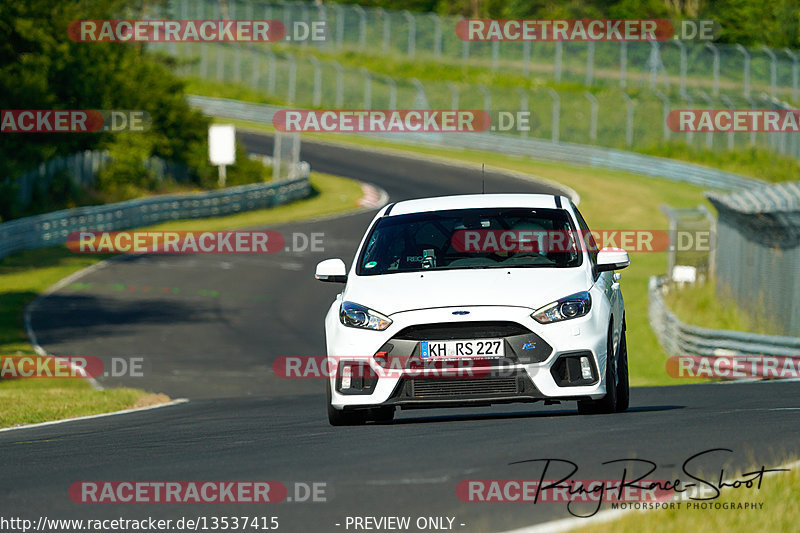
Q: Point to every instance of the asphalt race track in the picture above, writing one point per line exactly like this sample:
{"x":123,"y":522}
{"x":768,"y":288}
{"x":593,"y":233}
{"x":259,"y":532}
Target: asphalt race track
{"x":208,"y":328}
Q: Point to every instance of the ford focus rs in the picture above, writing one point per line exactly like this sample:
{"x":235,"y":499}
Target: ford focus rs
{"x":476,"y":300}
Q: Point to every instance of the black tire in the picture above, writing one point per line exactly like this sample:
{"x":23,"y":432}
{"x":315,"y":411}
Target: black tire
{"x":623,"y":387}
{"x":338,"y":417}
{"x":608,"y":403}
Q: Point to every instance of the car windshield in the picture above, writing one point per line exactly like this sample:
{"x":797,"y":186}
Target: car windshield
{"x":471,"y":238}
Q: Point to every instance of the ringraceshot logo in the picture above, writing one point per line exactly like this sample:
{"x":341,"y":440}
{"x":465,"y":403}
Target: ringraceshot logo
{"x":734,"y":120}
{"x":177,"y":492}
{"x":734,"y":367}
{"x":73,"y":121}
{"x":383,"y":121}
{"x":577,"y":30}
{"x":192,"y":242}
{"x":166,"y":31}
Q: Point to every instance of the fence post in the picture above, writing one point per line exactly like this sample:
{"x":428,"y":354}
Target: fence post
{"x":421,"y":99}
{"x":437,"y":35}
{"x":392,"y":92}
{"x":383,"y":15}
{"x":590,"y":63}
{"x":367,"y":88}
{"x":665,"y":112}
{"x":453,"y":95}
{"x":339,"y":26}
{"x":746,"y":69}
{"x":623,"y":64}
{"x":710,"y":134}
{"x":339,"y":84}
{"x":254,"y":74}
{"x":526,"y":58}
{"x":487,"y":97}
{"x":495,"y":54}
{"x":727,"y":101}
{"x":654,"y":62}
{"x":628,"y":119}
{"x":292,"y":78}
{"x":690,"y":103}
{"x":317,"y":98}
{"x":592,"y":116}
{"x":362,"y":27}
{"x":464,"y":44}
{"x":773,"y":69}
{"x":556,"y":116}
{"x":715,"y":82}
{"x":557,"y":61}
{"x":523,"y":106}
{"x":752,"y":103}
{"x":682,"y":48}
{"x":272,"y":77}
{"x":412,"y":33}
{"x":793,"y":57}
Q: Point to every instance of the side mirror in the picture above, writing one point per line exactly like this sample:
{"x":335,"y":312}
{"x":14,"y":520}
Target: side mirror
{"x":611,"y":259}
{"x":331,"y":270}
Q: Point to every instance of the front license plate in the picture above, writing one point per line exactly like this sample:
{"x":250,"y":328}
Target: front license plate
{"x":482,"y":348}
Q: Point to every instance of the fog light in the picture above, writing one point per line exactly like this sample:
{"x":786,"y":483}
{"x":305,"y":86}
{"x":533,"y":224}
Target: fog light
{"x":586,"y":368}
{"x":347,"y":376}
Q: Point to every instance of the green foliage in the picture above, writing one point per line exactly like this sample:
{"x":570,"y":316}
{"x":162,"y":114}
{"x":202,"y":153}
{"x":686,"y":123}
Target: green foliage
{"x":41,"y":68}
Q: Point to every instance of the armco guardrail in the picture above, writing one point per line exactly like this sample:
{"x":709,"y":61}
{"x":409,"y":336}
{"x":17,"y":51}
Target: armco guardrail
{"x":51,"y":229}
{"x":536,"y":148}
{"x":679,"y":338}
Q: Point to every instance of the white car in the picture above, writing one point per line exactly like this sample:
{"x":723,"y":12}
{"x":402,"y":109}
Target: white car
{"x":475,"y":300}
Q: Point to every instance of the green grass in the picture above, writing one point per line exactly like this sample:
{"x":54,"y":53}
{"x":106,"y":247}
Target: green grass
{"x":780,"y":512}
{"x":702,"y":305}
{"x":609,"y":200}
{"x":26,"y":274}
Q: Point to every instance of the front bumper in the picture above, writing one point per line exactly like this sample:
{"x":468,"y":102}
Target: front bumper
{"x":534,"y":367}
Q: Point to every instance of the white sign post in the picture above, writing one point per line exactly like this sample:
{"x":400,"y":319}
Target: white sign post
{"x":222,"y":148}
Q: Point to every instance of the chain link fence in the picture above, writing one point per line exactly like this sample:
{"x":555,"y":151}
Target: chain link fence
{"x":758,"y":252}
{"x":629,"y":87}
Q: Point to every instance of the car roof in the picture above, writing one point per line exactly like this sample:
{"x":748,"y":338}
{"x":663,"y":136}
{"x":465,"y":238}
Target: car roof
{"x":472,"y":201}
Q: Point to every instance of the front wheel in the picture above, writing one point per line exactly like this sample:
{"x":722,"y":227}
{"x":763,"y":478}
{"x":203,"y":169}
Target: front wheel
{"x":609,"y":403}
{"x":623,"y":387}
{"x":338,"y":417}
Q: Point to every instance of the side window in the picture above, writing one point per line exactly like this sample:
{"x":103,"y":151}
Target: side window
{"x":587,"y":236}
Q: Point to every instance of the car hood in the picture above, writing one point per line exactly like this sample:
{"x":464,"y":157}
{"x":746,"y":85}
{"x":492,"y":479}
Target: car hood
{"x":521,"y":287}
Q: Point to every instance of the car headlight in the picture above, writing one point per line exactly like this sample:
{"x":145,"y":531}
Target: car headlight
{"x":358,"y":316}
{"x":572,"y":306}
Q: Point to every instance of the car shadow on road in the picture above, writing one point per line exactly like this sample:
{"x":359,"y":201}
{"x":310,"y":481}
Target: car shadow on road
{"x":533,"y":414}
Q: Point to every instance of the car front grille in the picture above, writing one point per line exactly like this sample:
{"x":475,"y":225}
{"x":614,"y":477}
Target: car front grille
{"x":454,"y":387}
{"x":461,"y":330}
